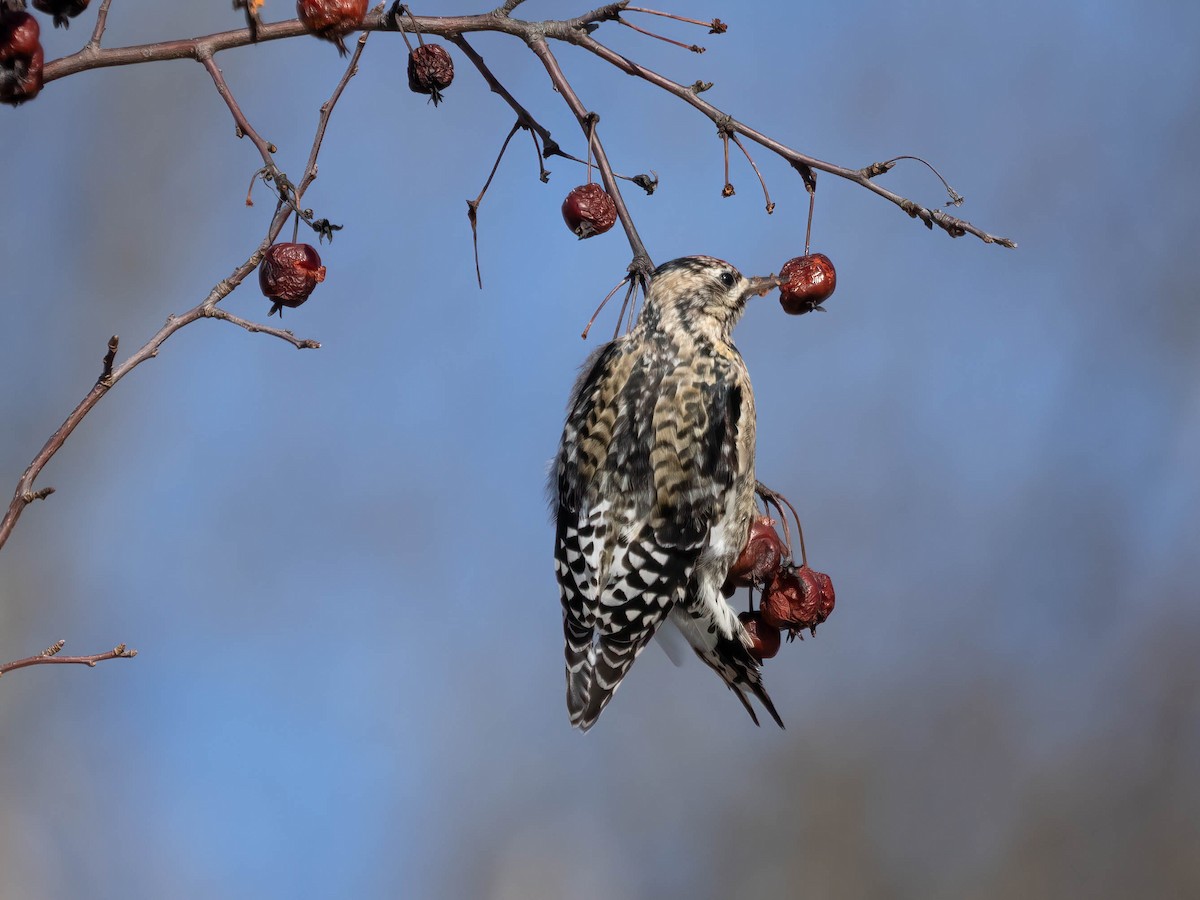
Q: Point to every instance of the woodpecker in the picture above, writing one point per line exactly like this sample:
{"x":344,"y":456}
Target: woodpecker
{"x":652,"y":489}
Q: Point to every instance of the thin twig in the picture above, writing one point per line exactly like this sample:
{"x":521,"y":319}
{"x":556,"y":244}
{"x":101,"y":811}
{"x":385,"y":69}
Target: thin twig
{"x":524,"y":118}
{"x":310,"y":168}
{"x":695,"y":48}
{"x":217,"y":312}
{"x":727,"y":190}
{"x":750,"y":159}
{"x":603,"y":303}
{"x":716,"y":26}
{"x":774,"y":498}
{"x":473,"y":205}
{"x":93,"y":43}
{"x":956,"y":199}
{"x":265,"y":148}
{"x":50,"y":656}
{"x":630,"y":294}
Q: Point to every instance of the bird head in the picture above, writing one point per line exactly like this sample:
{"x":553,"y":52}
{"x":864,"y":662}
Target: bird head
{"x":702,"y":294}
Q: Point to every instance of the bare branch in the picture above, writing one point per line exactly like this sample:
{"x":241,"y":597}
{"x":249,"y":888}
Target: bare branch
{"x":536,"y":35}
{"x":575,"y":31}
{"x":527,"y":121}
{"x":207,"y":308}
{"x":952,"y":226}
{"x":265,"y":149}
{"x":473,"y":205}
{"x":93,"y":43}
{"x":50,"y":656}
{"x":694,"y":48}
{"x":283,"y":334}
{"x":310,"y":168}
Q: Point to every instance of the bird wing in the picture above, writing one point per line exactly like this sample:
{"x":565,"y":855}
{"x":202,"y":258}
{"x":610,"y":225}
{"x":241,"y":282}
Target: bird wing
{"x":622,"y":564}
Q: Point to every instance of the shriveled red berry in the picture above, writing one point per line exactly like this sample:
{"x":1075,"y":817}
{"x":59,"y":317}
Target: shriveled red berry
{"x":62,"y":10}
{"x":21,"y":57}
{"x":760,"y":558}
{"x":332,"y":20}
{"x":806,"y":283}
{"x":796,"y":599}
{"x":765,"y":639}
{"x":825,"y":604}
{"x":288,"y":273}
{"x":430,"y":71}
{"x":588,"y":211}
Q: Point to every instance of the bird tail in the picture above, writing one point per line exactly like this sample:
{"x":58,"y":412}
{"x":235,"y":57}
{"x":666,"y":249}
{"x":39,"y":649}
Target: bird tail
{"x":728,"y":656}
{"x":595,"y":668}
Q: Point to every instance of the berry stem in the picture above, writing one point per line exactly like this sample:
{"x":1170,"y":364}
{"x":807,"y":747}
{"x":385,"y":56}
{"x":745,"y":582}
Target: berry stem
{"x":603,"y":303}
{"x":630,"y":301}
{"x":812,"y":199}
{"x":727,"y":190}
{"x":956,"y":199}
{"x":695,"y":48}
{"x":716,"y":26}
{"x":761,"y":180}
{"x":591,"y":136}
{"x":774,"y":498}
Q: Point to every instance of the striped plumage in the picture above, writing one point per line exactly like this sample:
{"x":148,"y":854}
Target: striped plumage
{"x":653,"y":488}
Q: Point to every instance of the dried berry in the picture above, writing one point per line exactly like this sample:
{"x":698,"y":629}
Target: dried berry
{"x":288,"y":274}
{"x":589,"y":211}
{"x":62,"y":10}
{"x":430,"y":71}
{"x":21,"y":57}
{"x":760,"y":558}
{"x":805,"y":283}
{"x":764,"y":638}
{"x":332,"y":20}
{"x":796,"y":599}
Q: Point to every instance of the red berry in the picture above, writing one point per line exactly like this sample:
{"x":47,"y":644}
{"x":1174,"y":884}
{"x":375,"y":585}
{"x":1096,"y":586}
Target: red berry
{"x":796,"y":599}
{"x":589,"y":211}
{"x":62,"y":10}
{"x":760,"y":558}
{"x":430,"y":71}
{"x":21,"y":57}
{"x":807,"y":282}
{"x":288,"y":273}
{"x":764,"y":638}
{"x":332,"y":19}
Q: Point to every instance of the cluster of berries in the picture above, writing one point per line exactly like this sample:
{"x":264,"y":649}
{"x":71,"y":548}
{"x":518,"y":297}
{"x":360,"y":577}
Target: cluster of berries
{"x":793,"y":598}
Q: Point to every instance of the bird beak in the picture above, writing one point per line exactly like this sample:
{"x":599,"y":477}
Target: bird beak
{"x":761,"y":285}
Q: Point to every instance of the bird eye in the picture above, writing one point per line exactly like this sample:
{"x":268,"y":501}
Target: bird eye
{"x":727,"y":278}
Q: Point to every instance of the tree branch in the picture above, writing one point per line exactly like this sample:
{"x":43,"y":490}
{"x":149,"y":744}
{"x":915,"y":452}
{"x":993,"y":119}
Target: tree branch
{"x":207,"y":308}
{"x":50,"y":656}
{"x":536,"y":35}
{"x":953,"y":226}
{"x":265,"y":149}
